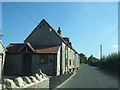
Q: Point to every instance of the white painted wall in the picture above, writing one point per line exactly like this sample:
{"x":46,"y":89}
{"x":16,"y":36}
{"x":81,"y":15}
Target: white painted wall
{"x":77,"y":60}
{"x":63,"y":58}
{"x":58,"y":62}
{"x":2,"y":59}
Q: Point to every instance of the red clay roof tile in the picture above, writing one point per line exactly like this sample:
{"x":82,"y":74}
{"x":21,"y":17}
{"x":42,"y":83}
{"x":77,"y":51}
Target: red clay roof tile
{"x":16,"y":47}
{"x":47,"y":49}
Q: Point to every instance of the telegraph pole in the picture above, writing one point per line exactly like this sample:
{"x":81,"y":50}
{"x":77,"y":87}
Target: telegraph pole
{"x":101,"y":52}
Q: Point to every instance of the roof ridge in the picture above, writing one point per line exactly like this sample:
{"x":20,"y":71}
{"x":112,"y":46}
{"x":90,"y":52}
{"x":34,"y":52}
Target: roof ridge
{"x":53,"y":31}
{"x":16,"y":43}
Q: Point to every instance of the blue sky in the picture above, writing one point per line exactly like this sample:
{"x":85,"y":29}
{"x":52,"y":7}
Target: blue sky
{"x":87,"y":24}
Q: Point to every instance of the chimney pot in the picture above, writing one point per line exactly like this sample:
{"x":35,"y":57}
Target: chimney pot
{"x":58,"y":28}
{"x":59,"y":31}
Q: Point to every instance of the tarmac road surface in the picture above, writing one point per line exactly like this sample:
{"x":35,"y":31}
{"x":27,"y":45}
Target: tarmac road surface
{"x":92,"y":77}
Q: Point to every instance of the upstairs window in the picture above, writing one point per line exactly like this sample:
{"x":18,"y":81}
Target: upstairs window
{"x":43,"y":59}
{"x":66,"y":54}
{"x":70,"y":62}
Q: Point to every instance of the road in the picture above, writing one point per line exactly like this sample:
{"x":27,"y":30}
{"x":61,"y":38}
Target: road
{"x":92,"y":77}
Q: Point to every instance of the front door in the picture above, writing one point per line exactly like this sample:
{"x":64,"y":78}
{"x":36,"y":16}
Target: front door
{"x":27,"y":63}
{"x":53,"y":68}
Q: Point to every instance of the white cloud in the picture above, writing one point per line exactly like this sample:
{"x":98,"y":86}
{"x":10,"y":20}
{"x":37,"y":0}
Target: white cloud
{"x":115,"y":46}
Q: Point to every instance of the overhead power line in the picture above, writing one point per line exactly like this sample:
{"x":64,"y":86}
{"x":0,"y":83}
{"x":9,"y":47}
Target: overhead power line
{"x":1,"y":34}
{"x":111,"y":36}
{"x":101,"y":49}
{"x":20,"y":9}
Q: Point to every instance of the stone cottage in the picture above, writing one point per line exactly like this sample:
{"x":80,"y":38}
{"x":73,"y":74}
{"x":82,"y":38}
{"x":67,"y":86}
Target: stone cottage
{"x":43,"y":49}
{"x":2,"y":60}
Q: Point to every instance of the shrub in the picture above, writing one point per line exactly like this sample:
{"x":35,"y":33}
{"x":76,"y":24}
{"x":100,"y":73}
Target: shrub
{"x":111,"y":62}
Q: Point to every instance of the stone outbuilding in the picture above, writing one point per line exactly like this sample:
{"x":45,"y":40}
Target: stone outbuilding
{"x":43,"y":49}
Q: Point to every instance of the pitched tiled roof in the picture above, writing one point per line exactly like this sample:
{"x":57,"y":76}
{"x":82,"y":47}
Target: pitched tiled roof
{"x":29,"y":45}
{"x":66,"y":39}
{"x":17,"y":47}
{"x":14,"y":47}
{"x":54,"y":32}
{"x":47,"y":49}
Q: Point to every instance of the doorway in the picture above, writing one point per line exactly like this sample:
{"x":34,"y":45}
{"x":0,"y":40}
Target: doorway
{"x":27,"y":61}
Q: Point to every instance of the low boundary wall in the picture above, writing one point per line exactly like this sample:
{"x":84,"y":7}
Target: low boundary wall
{"x":38,"y":80}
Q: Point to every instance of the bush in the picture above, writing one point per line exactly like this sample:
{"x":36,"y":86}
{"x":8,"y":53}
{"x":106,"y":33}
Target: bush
{"x":111,"y":62}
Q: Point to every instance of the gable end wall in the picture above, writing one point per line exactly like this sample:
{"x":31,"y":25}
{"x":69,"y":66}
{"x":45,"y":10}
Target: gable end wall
{"x":44,"y":35}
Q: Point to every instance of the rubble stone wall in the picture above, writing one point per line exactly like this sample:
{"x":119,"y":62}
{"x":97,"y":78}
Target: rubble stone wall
{"x":38,"y":80}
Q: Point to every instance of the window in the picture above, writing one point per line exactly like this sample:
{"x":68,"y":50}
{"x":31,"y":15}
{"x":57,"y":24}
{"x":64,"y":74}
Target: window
{"x":70,"y":62}
{"x":51,"y":60}
{"x":43,"y":59}
{"x":66,"y":54}
{"x":50,"y":29}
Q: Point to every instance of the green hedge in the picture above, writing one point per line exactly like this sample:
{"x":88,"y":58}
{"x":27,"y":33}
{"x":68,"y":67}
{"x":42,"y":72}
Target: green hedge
{"x":111,"y":62}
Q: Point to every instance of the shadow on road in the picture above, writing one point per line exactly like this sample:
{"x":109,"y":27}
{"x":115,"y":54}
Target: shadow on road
{"x":58,"y":80}
{"x":110,"y":73}
{"x":113,"y":74}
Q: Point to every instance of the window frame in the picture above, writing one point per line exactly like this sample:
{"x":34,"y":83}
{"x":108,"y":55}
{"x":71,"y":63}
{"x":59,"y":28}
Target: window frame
{"x":43,"y":59}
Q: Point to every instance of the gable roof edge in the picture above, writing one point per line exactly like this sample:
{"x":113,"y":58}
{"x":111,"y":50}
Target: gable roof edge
{"x":34,"y":30}
{"x":3,"y":47}
{"x":53,"y":31}
{"x":28,"y":46}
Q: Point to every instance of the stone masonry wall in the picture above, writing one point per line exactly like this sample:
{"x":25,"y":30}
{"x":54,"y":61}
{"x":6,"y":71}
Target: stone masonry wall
{"x":49,"y":68}
{"x":38,"y":80}
{"x":13,"y":64}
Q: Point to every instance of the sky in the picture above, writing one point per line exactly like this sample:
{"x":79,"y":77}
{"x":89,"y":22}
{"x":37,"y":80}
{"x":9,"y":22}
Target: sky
{"x":87,"y":24}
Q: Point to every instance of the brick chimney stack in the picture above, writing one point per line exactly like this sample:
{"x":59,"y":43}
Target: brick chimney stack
{"x":59,"y":31}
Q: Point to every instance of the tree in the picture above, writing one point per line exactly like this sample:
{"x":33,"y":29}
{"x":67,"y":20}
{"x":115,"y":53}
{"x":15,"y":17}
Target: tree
{"x":92,"y":61}
{"x":83,"y":58}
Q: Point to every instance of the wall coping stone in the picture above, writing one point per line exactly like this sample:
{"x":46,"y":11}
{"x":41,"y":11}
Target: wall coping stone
{"x":26,"y":81}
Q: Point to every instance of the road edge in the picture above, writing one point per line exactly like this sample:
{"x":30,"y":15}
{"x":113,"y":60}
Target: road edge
{"x":66,"y":80}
